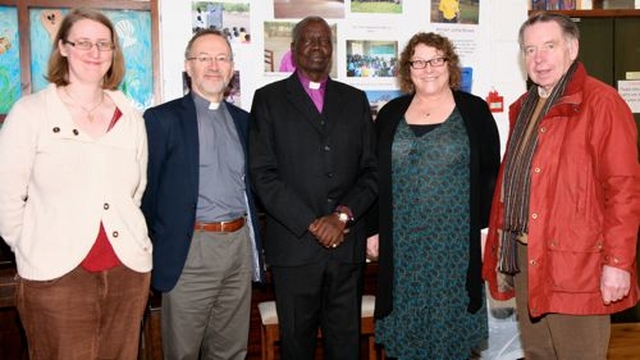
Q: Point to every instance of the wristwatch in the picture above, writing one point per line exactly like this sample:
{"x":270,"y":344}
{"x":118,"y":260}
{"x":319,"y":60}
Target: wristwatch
{"x":344,"y":214}
{"x":343,"y":217}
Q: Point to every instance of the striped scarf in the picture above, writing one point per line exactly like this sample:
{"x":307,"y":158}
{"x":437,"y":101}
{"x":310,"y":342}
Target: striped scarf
{"x":517,"y":179}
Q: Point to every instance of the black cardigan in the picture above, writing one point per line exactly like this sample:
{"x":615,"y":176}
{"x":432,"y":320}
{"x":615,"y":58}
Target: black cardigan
{"x":484,"y":146}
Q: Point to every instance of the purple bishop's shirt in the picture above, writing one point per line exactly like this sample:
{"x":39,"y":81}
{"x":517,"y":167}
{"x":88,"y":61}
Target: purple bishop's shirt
{"x":314,"y":90}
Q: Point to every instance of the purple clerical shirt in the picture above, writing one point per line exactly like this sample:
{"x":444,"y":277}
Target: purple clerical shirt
{"x":314,"y":89}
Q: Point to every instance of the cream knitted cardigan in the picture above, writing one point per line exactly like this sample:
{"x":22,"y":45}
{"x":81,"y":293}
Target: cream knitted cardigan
{"x":57,"y":184}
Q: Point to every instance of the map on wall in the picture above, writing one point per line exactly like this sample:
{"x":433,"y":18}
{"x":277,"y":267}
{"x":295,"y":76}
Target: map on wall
{"x":10,"y":90}
{"x":134,"y":33}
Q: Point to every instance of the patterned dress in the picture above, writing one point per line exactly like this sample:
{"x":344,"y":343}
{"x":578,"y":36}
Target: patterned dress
{"x":430,"y":179}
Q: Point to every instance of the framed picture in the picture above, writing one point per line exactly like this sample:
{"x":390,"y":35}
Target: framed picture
{"x":538,"y":4}
{"x":553,"y":4}
{"x":568,"y":5}
{"x":23,"y":60}
{"x":10,"y":90}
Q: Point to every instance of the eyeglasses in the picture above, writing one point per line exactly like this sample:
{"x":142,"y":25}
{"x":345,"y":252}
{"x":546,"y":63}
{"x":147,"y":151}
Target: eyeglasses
{"x":102,"y":45}
{"x":421,"y":64}
{"x":206,"y":59}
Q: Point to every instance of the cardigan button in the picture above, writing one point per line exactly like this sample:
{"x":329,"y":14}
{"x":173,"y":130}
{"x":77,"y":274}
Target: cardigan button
{"x":106,"y":206}
{"x":115,"y":234}
{"x":76,"y":132}
{"x":56,"y":129}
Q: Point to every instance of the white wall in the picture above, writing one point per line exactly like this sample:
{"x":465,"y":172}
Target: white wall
{"x":495,"y":60}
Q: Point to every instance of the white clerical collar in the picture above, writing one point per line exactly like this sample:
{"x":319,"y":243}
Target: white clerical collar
{"x":314,"y":85}
{"x":214,"y":106}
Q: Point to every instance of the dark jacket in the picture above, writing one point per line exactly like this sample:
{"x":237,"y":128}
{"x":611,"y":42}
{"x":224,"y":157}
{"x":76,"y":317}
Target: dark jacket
{"x":484,"y":146}
{"x":304,"y":164}
{"x":169,"y":203}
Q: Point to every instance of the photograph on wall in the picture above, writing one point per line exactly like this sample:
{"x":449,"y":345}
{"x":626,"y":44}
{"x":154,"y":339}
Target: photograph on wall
{"x":231,"y":18}
{"x":277,"y":47}
{"x":455,"y":11}
{"x":466,"y":78}
{"x":376,"y":6}
{"x":298,"y":9}
{"x":10,"y":90}
{"x":553,"y":4}
{"x":372,"y":58}
{"x":134,"y":33}
{"x":378,"y":98}
{"x":233,"y":93}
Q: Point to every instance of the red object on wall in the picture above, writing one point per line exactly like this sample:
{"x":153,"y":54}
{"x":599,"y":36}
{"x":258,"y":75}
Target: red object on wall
{"x":495,"y":101}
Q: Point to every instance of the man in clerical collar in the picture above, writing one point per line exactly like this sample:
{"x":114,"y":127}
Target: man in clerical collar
{"x":313,"y":165}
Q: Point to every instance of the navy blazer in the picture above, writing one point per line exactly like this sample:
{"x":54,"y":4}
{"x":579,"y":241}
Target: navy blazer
{"x":305,"y":163}
{"x":169,"y":202}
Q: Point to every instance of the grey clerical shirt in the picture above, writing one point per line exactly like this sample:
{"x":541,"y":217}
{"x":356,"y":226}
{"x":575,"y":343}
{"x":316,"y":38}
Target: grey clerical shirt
{"x":221,"y":191}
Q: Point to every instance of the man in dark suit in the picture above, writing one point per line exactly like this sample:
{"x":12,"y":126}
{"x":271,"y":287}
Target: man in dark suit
{"x":200,"y":211}
{"x":313,"y":164}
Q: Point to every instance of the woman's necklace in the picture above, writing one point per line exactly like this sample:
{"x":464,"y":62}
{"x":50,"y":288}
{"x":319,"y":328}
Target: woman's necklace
{"x":89,"y":112}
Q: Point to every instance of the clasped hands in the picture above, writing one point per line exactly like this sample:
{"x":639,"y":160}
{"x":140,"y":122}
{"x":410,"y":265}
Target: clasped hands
{"x":328,"y":230}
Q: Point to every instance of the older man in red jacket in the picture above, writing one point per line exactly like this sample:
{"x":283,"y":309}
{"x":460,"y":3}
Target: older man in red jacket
{"x":565,"y":214}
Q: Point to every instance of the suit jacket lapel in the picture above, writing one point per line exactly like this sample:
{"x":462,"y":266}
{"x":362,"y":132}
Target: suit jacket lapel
{"x":334,"y":102}
{"x":302,"y":101}
{"x":189,"y":119}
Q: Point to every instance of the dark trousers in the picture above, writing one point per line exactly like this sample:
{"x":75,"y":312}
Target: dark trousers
{"x":326,"y":295}
{"x":83,"y":315}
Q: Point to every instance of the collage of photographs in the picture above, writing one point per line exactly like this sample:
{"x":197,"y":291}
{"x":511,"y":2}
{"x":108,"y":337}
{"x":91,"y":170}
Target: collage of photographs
{"x":364,"y":55}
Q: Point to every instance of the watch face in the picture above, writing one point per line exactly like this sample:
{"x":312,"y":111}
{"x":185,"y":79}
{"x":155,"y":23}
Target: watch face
{"x":343,"y":217}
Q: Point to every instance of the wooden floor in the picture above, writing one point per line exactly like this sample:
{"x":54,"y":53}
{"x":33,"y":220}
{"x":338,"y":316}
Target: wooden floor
{"x":625,"y":342}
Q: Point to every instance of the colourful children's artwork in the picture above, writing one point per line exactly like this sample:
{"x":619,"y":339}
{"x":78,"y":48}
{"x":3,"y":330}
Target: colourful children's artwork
{"x":10,"y":90}
{"x":134,"y":33}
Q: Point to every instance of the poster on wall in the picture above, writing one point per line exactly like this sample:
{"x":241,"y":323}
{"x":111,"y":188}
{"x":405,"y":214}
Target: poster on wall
{"x":10,"y":90}
{"x":297,"y":9}
{"x":134,"y":33}
{"x":376,"y":6}
{"x":553,"y":4}
{"x":232,"y":18}
{"x":455,"y":11}
{"x":378,"y":99}
{"x":372,"y":58}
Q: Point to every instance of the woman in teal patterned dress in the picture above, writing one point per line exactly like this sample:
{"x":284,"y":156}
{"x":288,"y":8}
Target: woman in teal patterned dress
{"x":439,"y":154}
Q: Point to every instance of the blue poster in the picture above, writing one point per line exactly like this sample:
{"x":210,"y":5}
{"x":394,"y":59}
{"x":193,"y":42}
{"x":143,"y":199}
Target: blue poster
{"x":134,"y":33}
{"x":10,"y":90}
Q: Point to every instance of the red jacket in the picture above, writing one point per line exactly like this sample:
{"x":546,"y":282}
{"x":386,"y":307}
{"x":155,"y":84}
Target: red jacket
{"x":585,"y":202}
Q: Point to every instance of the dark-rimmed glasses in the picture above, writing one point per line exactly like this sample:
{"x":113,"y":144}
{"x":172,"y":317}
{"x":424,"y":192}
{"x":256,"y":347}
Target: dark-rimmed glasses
{"x":421,"y":64}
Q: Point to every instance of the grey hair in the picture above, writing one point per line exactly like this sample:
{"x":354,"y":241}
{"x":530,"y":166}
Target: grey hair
{"x":203,"y":32}
{"x":569,"y":28}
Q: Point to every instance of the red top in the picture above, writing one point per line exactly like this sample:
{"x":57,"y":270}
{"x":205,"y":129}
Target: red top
{"x":102,"y":256}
